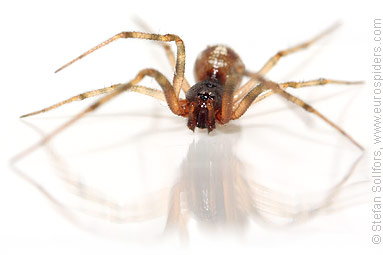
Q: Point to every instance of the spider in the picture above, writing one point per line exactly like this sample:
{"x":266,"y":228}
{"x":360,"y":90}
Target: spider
{"x":217,"y":97}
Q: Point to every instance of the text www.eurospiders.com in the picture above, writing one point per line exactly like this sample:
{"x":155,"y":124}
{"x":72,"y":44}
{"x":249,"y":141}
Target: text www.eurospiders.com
{"x":377,"y":165}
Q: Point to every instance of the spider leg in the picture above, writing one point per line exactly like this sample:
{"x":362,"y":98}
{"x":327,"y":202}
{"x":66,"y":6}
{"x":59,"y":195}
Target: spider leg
{"x":277,"y":88}
{"x":246,"y":101}
{"x":180,"y":62}
{"x":245,"y":89}
{"x":274,"y":60}
{"x":158,"y":94}
{"x":228,"y":97}
{"x":170,"y":55}
{"x":293,"y":84}
{"x":167,"y":89}
{"x":168,"y":50}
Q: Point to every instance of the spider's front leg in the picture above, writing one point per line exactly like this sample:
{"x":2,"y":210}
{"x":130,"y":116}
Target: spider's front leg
{"x":180,"y":61}
{"x":168,"y":51}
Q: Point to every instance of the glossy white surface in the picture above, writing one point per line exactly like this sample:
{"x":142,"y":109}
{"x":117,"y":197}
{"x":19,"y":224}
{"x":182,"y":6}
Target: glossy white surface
{"x":137,"y":156}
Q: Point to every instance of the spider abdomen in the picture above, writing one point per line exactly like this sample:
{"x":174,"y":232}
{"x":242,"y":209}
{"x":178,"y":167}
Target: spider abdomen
{"x":216,"y":63}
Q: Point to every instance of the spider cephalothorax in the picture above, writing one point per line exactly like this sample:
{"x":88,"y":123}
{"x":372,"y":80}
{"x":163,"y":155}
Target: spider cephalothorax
{"x":205,"y":101}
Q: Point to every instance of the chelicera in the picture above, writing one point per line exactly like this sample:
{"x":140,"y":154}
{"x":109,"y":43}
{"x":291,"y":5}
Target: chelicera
{"x":217,"y":97}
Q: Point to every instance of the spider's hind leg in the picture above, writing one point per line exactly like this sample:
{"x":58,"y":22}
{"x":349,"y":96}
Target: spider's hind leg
{"x":275,"y":59}
{"x":245,"y":89}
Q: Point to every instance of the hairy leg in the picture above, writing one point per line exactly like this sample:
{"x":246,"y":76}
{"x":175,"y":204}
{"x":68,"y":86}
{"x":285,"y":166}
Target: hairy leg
{"x":168,"y":51}
{"x":242,"y":91}
{"x":293,"y":84}
{"x":180,"y":62}
{"x":167,"y":89}
{"x":275,"y":59}
{"x":277,"y":88}
{"x":158,"y":94}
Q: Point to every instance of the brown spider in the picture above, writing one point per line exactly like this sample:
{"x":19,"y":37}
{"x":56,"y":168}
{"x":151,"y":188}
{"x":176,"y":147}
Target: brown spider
{"x":216,"y":97}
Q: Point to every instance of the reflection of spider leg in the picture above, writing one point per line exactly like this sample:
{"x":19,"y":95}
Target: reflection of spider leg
{"x":168,"y":50}
{"x":275,"y":59}
{"x":158,"y":94}
{"x":167,"y":89}
{"x":180,"y":62}
{"x":177,"y":215}
{"x":95,"y":203}
{"x":269,"y":202}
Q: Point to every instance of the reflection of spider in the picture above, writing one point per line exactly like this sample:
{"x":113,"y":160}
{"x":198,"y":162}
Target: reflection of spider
{"x":217,"y":95}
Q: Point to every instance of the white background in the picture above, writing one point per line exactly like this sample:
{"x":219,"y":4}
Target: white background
{"x":281,"y":146}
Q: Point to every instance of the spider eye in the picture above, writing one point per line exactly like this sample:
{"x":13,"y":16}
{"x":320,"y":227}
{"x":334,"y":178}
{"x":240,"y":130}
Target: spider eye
{"x":205,"y":96}
{"x":210,"y":85}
